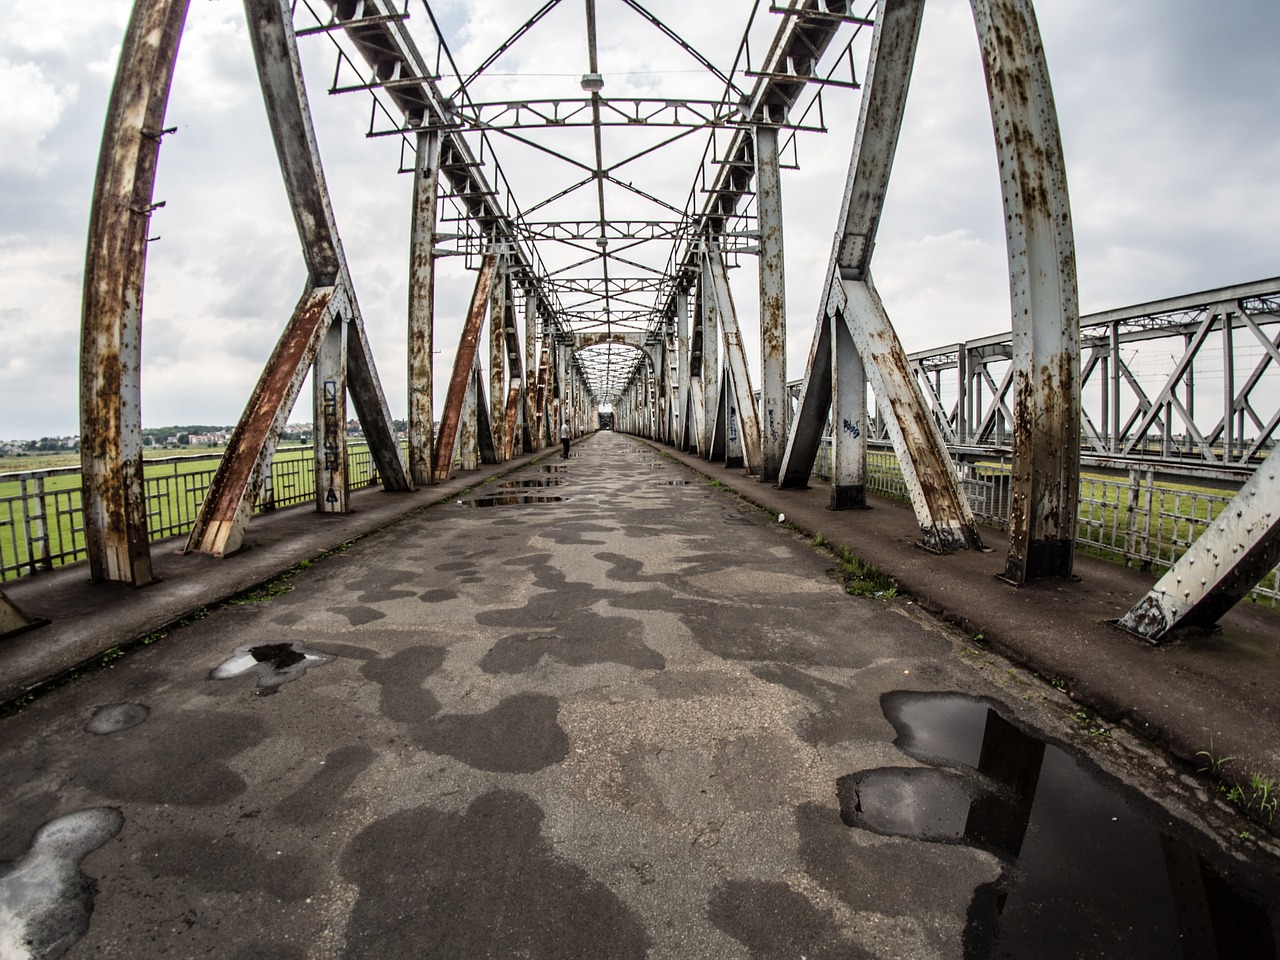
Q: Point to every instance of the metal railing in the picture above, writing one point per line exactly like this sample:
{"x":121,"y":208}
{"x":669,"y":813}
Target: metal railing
{"x":1135,"y":521}
{"x":42,"y":513}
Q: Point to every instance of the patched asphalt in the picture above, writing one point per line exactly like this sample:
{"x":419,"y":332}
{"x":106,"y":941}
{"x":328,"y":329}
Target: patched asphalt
{"x":609,"y":725}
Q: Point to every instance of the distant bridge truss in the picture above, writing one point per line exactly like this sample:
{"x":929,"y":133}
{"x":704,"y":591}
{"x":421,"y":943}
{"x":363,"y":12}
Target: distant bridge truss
{"x":595,"y":288}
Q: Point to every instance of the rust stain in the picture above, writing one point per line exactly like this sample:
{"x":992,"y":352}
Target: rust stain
{"x":451,"y":416}
{"x":277,"y":387}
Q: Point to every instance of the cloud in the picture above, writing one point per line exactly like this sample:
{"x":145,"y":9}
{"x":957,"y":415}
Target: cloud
{"x":29,"y":110}
{"x":1166,"y":118}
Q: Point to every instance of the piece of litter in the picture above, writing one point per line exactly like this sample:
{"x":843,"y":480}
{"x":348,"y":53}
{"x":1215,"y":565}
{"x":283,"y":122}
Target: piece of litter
{"x":782,"y":518}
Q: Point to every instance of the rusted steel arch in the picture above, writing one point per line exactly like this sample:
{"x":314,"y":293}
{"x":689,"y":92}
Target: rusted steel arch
{"x":326,"y":329}
{"x":1042,"y":280}
{"x":111,"y":322}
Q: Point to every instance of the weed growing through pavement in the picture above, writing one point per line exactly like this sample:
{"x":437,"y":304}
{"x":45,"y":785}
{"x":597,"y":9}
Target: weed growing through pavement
{"x":1257,"y":796}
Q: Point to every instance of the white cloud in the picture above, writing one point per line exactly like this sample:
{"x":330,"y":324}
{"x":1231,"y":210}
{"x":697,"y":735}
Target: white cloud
{"x":1166,"y":118}
{"x":31,"y":107}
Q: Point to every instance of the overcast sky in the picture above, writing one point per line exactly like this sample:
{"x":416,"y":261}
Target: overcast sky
{"x":1167,"y":109}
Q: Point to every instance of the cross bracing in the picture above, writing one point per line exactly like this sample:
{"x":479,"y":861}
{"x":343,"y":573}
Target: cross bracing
{"x":603,"y":230}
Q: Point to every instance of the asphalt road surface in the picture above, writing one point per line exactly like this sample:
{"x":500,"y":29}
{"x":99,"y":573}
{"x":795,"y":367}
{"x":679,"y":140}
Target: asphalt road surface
{"x":597,"y":709}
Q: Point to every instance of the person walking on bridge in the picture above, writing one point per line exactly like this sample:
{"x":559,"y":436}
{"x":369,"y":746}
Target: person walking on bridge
{"x":564,"y":439}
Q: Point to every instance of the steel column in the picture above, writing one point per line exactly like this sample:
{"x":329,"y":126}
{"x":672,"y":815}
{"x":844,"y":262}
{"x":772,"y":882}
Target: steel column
{"x":531,"y":418}
{"x":731,"y":422}
{"x":422,"y":283}
{"x":805,"y":435}
{"x":773,"y":305}
{"x":1219,"y":569}
{"x":1044,"y":487}
{"x":498,"y":360}
{"x":469,"y":429}
{"x":682,"y":369}
{"x":111,"y":320}
{"x":219,"y":529}
{"x":708,"y":321}
{"x":329,"y":391}
{"x":848,"y":421}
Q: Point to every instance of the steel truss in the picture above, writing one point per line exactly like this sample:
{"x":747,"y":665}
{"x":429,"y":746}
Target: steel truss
{"x":605,"y":320}
{"x":1208,"y":414}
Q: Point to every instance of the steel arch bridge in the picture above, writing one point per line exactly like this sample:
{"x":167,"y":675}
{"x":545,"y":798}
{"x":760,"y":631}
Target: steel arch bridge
{"x":600,"y":291}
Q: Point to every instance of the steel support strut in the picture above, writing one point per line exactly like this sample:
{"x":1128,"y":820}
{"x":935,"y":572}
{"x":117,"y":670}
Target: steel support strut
{"x":945,"y":517}
{"x":14,"y":620}
{"x":1044,"y":487}
{"x":111,"y":322}
{"x":342,"y":355}
{"x":1219,"y":569}
{"x":739,"y":380}
{"x":454,"y":417}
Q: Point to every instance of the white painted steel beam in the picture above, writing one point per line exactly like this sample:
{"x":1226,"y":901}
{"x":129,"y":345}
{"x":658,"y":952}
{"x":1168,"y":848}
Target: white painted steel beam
{"x":848,"y":421}
{"x":709,"y":375}
{"x":942,"y":510}
{"x":810,"y":418}
{"x":1219,"y":569}
{"x":14,"y":620}
{"x":747,"y":429}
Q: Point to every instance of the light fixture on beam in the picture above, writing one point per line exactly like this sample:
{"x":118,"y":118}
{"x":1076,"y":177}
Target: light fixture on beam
{"x":592,"y":82}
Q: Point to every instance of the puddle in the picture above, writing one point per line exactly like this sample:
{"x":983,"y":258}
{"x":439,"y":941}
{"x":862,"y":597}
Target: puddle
{"x":116,"y":717}
{"x":510,"y":500}
{"x":1092,"y":867}
{"x":552,"y":468}
{"x":674,"y":483}
{"x":45,"y":901}
{"x":274,"y":663}
{"x":526,"y":484}
{"x":739,"y":519}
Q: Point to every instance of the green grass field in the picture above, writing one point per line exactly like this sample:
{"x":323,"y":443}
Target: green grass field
{"x":175,"y":481}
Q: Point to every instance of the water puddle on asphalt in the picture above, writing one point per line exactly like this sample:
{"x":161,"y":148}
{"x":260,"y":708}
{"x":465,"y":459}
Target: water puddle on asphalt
{"x":674,"y":483}
{"x":274,"y":663}
{"x":1092,"y":867}
{"x":509,"y":500}
{"x":116,"y":717}
{"x":553,"y":481}
{"x":45,"y":901}
{"x":738,"y":518}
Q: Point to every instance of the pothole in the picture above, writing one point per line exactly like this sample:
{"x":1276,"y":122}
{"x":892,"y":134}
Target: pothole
{"x":274,"y":663}
{"x":116,"y":717}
